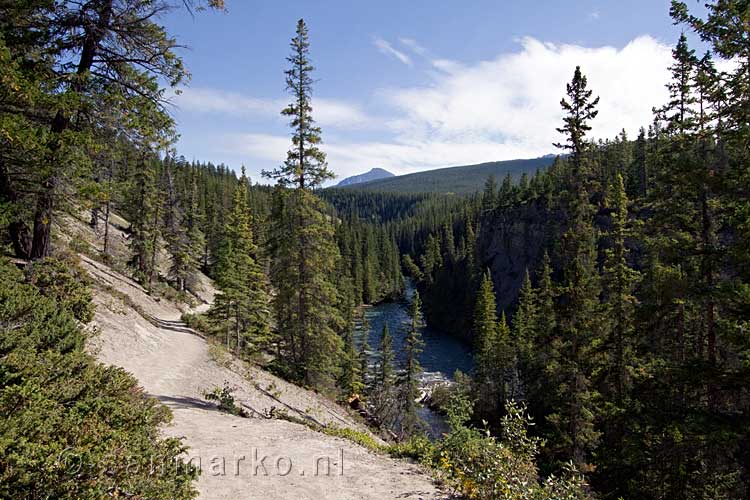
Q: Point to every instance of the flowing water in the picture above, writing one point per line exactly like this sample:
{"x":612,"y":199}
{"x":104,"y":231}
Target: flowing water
{"x":442,"y":354}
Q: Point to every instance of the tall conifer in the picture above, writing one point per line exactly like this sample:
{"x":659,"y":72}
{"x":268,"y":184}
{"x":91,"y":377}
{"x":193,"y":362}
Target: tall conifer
{"x":304,"y":249}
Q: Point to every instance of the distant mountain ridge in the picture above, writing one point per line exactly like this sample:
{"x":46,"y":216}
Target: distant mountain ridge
{"x":373,"y":175}
{"x":455,"y":180}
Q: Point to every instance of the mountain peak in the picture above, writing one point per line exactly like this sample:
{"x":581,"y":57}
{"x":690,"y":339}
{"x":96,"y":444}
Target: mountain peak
{"x":374,"y":174}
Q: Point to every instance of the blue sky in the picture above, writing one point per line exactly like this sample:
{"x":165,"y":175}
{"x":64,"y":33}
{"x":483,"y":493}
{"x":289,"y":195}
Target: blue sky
{"x":413,"y":85}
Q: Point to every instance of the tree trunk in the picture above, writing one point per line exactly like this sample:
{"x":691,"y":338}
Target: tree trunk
{"x":19,"y":232}
{"x":40,"y":245}
{"x":94,"y":221}
{"x":154,"y":243}
{"x":106,"y":229}
{"x":237,"y":327}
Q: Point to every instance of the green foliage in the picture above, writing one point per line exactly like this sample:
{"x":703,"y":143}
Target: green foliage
{"x":70,"y":427}
{"x":305,"y":166}
{"x":353,"y":365}
{"x":198,"y":322}
{"x":493,"y":353}
{"x":408,"y":383}
{"x":363,"y":439}
{"x":65,"y":282}
{"x":241,"y":312}
{"x":478,"y":465}
{"x":382,"y":396}
{"x":417,"y":447}
{"x":224,"y":398}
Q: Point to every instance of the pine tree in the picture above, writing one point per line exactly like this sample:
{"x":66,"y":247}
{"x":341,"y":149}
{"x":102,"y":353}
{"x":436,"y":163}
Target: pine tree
{"x":242,"y":307}
{"x":304,"y":250}
{"x":409,"y":381}
{"x":495,"y":359}
{"x":143,"y":199}
{"x":383,"y":397}
{"x":194,"y":221}
{"x":385,"y":376}
{"x":351,"y":377}
{"x":305,"y":166}
{"x":486,"y":339}
{"x":679,"y":113}
{"x":178,"y":244}
{"x":543,"y":326}
{"x":620,"y":303}
{"x":524,"y":338}
{"x":489,"y":195}
{"x":580,"y":109}
{"x":638,"y":176}
{"x":617,"y":359}
{"x":525,"y":318}
{"x":578,"y":327}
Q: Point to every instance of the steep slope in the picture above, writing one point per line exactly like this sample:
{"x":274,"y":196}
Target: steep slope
{"x":175,"y":364}
{"x":456,"y":180}
{"x":372,"y":175}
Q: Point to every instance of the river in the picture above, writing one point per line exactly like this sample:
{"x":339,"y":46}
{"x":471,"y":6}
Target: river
{"x":441,"y":356}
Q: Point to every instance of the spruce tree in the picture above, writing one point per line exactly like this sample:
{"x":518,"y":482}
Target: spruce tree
{"x":525,"y":318}
{"x":524,"y":336}
{"x":305,"y":166}
{"x":486,"y":334}
{"x":143,"y":200}
{"x":242,"y":306}
{"x":178,"y":244}
{"x":409,"y":381}
{"x":489,"y":195}
{"x":619,"y":282}
{"x":351,"y":376}
{"x":578,"y":327}
{"x":383,"y":397}
{"x":304,"y":250}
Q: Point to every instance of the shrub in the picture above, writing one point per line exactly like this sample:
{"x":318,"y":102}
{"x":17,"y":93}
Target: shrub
{"x":225,"y":400}
{"x":70,"y":427}
{"x":484,"y":467}
{"x":361,"y":438}
{"x":417,"y":447}
{"x":64,"y":281}
{"x":197,"y":322}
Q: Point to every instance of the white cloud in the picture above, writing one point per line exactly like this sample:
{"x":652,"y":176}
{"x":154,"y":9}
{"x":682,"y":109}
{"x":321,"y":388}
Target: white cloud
{"x":328,"y":112}
{"x":335,"y":113}
{"x":388,"y":49}
{"x":514,"y":99}
{"x":503,"y":108}
{"x":594,"y":16}
{"x":348,"y":158}
{"x":413,"y":46}
{"x":207,"y":100}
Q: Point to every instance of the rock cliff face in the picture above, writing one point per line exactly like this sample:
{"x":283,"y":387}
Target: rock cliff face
{"x":515,"y":240}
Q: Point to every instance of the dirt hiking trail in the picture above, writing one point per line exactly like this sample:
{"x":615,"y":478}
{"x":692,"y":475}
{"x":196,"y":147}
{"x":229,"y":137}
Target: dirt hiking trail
{"x":240,"y":458}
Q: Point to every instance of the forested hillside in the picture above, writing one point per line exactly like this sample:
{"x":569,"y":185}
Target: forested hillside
{"x":605,"y":292}
{"x":460,"y":180}
{"x":609,"y":292}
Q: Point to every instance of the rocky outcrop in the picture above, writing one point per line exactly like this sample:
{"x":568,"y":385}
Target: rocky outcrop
{"x":514,"y":240}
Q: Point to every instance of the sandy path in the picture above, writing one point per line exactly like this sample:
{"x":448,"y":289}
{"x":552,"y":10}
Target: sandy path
{"x":174,"y":365}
